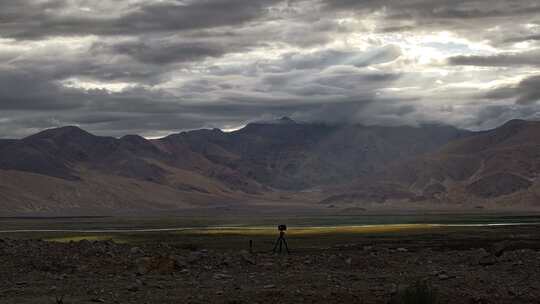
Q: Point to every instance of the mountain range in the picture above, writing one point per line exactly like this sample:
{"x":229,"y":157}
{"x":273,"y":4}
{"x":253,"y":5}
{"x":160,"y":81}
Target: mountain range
{"x":272,"y":166}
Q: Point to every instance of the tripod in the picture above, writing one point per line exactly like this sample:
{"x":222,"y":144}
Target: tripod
{"x":280,"y":241}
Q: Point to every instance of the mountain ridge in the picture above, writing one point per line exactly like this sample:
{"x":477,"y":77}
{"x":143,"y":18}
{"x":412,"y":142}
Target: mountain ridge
{"x":274,"y":163}
{"x":499,"y":165}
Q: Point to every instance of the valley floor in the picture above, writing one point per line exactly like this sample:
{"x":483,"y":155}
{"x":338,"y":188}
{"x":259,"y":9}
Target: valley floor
{"x":459,"y":265}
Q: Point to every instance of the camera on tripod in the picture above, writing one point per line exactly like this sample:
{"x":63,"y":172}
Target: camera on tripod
{"x":281,"y":239}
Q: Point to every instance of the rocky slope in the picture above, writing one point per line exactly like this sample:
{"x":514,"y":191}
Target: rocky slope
{"x":338,"y":165}
{"x":70,"y":168}
{"x":499,"y":165}
{"x":295,"y":156}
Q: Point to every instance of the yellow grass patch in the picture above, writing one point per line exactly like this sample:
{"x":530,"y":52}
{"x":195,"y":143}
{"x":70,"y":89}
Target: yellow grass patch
{"x":68,"y":239}
{"x":298,"y":231}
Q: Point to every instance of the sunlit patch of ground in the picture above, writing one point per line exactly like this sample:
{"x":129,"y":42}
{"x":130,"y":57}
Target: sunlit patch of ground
{"x":238,"y":232}
{"x":67,"y":239}
{"x":262,"y":237}
{"x":305,"y":231}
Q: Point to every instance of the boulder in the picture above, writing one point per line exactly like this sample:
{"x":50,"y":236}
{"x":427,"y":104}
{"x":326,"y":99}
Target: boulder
{"x":196,"y":256}
{"x":487,"y":260}
{"x":247,"y":257}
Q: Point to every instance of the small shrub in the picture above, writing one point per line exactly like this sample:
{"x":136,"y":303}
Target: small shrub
{"x":420,"y":293}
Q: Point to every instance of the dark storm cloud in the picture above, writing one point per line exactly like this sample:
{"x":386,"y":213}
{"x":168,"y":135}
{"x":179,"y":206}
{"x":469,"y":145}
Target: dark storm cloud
{"x":521,"y":38}
{"x":26,"y":19}
{"x":20,"y":90}
{"x":188,"y":64}
{"x":495,"y":115}
{"x":145,"y":118}
{"x":170,"y":50}
{"x":529,"y":90}
{"x":472,"y":18}
{"x":531,"y":58}
{"x":440,"y":9}
{"x":194,"y":15}
{"x":32,"y":103}
{"x":57,"y":64}
{"x":525,"y":92}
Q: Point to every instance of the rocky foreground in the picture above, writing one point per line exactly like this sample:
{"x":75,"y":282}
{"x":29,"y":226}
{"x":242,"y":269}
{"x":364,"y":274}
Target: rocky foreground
{"x":33,"y":271}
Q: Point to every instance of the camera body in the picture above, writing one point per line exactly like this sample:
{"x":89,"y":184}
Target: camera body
{"x":282,"y":227}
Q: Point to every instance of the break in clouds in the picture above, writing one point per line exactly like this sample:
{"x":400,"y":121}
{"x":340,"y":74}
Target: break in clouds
{"x":156,"y":67}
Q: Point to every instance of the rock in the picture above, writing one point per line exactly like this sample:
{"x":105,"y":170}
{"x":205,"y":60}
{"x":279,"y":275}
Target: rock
{"x":164,"y":246}
{"x":143,"y":265}
{"x":179,"y":261}
{"x":97,"y":300}
{"x":402,"y":288}
{"x":247,"y":257}
{"x":478,"y":300}
{"x":401,"y":249}
{"x":196,"y":256}
{"x":136,"y":250}
{"x":487,"y":260}
{"x":348,"y":261}
{"x":133,"y":288}
{"x":158,"y":286}
{"x":85,"y":243}
{"x":221,"y":276}
{"x":498,"y":248}
{"x":335,"y":261}
{"x":270,"y":286}
{"x":443,"y":277}
{"x":393,"y":289}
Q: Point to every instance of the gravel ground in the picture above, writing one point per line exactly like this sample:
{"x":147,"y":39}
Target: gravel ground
{"x":34,"y":271}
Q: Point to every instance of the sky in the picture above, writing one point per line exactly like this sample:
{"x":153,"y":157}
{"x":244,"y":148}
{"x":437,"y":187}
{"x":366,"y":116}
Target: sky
{"x":116,"y":67}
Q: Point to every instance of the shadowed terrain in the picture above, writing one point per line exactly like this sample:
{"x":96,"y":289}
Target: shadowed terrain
{"x":377,"y":264}
{"x":276,"y":165}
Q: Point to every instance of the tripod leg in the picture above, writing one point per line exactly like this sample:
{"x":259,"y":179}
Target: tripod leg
{"x":275,"y":246}
{"x":286,"y":247}
{"x":280,"y":244}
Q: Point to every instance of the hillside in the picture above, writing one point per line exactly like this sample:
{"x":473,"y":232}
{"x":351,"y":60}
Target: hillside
{"x":295,"y":156}
{"x":495,"y":166}
{"x":272,"y":163}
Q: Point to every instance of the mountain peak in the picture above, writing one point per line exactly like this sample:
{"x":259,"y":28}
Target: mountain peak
{"x":286,"y":121}
{"x":511,"y":127}
{"x":67,"y":131}
{"x":280,"y":121}
{"x":515,"y":122}
{"x":133,"y":138}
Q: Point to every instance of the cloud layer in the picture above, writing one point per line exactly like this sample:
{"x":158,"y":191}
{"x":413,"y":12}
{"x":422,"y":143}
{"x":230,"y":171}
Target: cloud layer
{"x":156,"y":67}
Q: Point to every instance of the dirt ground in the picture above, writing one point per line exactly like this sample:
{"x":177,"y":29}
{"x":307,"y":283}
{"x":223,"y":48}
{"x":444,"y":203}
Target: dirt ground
{"x":496,"y":265}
